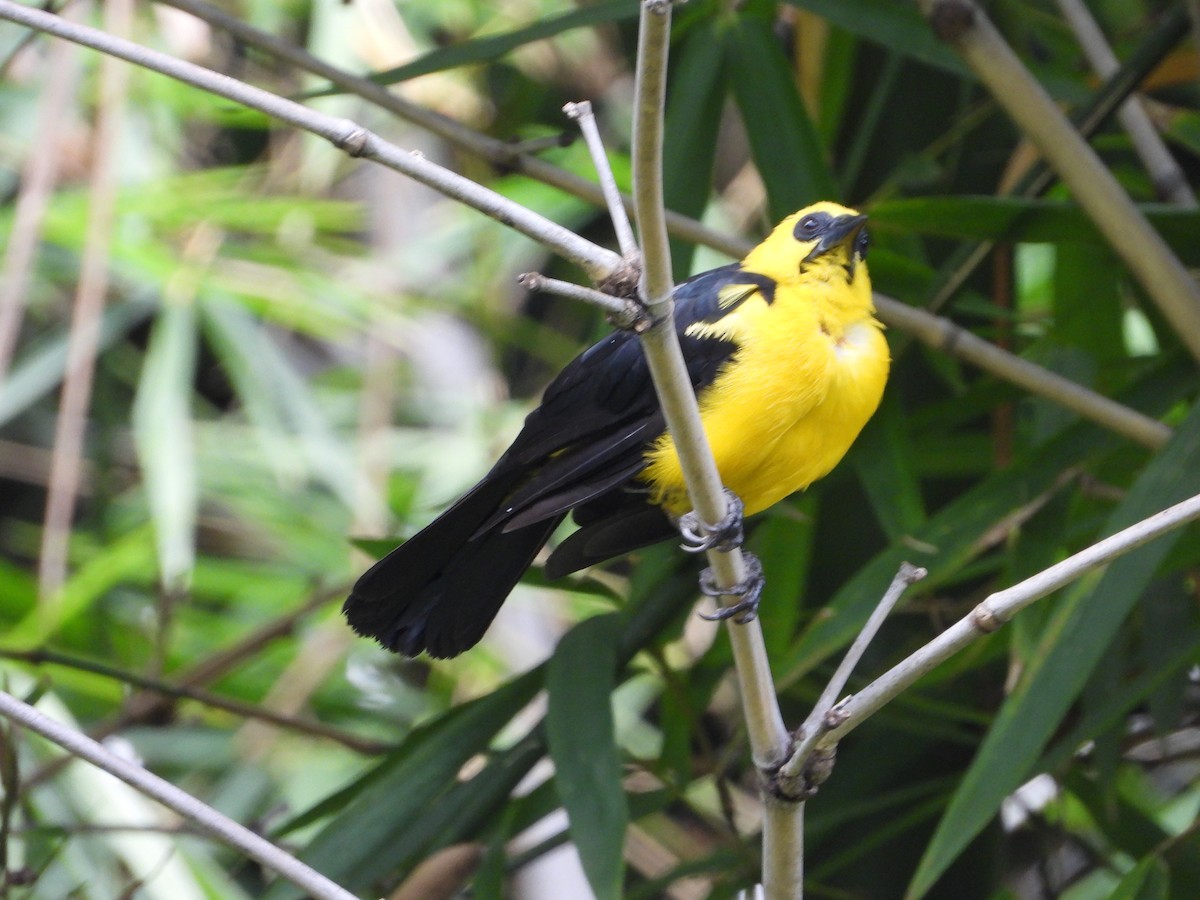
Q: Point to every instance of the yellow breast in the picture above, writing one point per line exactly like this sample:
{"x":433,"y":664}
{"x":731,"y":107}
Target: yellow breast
{"x":808,"y":374}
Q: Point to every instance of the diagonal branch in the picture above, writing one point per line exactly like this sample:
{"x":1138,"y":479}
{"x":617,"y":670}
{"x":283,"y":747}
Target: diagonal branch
{"x":963,"y":25}
{"x":997,"y":609}
{"x":599,"y":263}
{"x":229,"y":831}
{"x":939,"y":333}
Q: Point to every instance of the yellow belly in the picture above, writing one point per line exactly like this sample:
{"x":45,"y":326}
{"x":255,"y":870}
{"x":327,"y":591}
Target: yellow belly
{"x":782,"y":414}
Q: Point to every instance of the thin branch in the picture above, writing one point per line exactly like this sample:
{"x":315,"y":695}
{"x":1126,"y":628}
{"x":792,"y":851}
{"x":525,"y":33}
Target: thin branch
{"x":820,"y":719}
{"x":227,"y":830}
{"x":355,"y":140}
{"x":943,"y":335}
{"x":997,"y":609}
{"x":1169,"y":180}
{"x":963,"y":25}
{"x":84,"y":339}
{"x":623,"y":313}
{"x":37,"y":182}
{"x":1103,"y":103}
{"x":145,"y":704}
{"x":939,"y":333}
{"x":581,"y":112}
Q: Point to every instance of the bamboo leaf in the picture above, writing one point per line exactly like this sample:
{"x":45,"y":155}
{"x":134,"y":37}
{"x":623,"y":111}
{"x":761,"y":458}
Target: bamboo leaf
{"x":1028,"y":220}
{"x":392,"y":796}
{"x":162,"y":431}
{"x":491,"y":47}
{"x":582,"y":742}
{"x":691,"y":130}
{"x":785,"y":144}
{"x":948,"y":539}
{"x":899,"y":26}
{"x":1074,"y":644}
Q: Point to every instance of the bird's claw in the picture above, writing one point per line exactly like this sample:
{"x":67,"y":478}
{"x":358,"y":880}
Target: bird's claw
{"x":726,"y":535}
{"x":749,"y":589}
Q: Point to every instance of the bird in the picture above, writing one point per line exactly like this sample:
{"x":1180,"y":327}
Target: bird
{"x":788,"y":363}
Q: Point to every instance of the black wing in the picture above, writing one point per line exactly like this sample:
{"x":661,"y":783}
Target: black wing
{"x":440,"y":590}
{"x":599,"y":415}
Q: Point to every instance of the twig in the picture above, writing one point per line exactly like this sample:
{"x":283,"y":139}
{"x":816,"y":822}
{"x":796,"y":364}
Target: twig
{"x":820,"y":719}
{"x":207,"y":698}
{"x":942,"y":334}
{"x":145,"y":704}
{"x":355,"y":140}
{"x":623,"y":313}
{"x":37,"y":181}
{"x":581,"y":112}
{"x":939,"y":333}
{"x":997,"y":609}
{"x":227,"y":830}
{"x":1169,"y":180}
{"x":963,"y":25}
{"x":84,"y":338}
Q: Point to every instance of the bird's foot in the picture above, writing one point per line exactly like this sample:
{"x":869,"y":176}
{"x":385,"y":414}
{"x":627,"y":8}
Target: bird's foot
{"x":726,"y":535}
{"x":749,"y":590}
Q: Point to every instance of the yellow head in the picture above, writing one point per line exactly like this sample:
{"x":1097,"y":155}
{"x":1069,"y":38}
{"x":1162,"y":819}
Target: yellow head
{"x":825,"y":242}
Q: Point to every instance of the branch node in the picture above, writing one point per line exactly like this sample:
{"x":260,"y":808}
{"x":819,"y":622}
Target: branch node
{"x":356,"y":141}
{"x":984,"y":618}
{"x":836,"y":715}
{"x":785,"y":788}
{"x":577,"y":109}
{"x":951,"y":19}
{"x":623,"y":282}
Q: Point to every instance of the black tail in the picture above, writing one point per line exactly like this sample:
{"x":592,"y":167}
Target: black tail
{"x":439,"y":591}
{"x":610,"y":526}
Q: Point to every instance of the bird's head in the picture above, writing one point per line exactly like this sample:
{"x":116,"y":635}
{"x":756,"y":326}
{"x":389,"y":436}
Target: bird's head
{"x":825,"y":241}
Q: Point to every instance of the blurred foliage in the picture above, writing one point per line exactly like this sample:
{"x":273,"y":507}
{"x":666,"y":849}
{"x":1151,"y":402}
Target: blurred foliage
{"x":298,"y":350}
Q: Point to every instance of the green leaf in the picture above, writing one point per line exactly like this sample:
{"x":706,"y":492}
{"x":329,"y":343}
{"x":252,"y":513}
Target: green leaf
{"x":292,"y":426}
{"x":124,"y":560}
{"x":784,"y":544}
{"x":458,"y":815}
{"x":785,"y":144}
{"x":883,"y":458}
{"x":949,"y":538}
{"x":691,"y":130}
{"x":390,"y":797}
{"x":1027,"y":220}
{"x":40,"y":369}
{"x":1185,"y":130}
{"x":1074,"y":644}
{"x":580,"y":734}
{"x":162,"y":432}
{"x":1148,"y":880}
{"x":899,"y":26}
{"x":491,"y":47}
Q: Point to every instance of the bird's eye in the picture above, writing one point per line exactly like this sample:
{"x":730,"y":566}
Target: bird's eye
{"x":862,"y":244}
{"x":808,"y":227}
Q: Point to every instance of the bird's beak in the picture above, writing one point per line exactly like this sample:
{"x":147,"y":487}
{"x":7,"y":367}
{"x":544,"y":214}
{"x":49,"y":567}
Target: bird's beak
{"x":843,"y":231}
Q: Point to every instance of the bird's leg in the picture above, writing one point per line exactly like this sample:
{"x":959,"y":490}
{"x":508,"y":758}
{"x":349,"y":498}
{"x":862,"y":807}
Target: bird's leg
{"x":749,"y":589}
{"x":726,"y":535}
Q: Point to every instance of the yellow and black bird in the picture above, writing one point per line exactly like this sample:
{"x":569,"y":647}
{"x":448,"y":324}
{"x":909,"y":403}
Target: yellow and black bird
{"x":788,"y":362}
